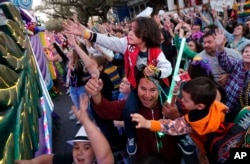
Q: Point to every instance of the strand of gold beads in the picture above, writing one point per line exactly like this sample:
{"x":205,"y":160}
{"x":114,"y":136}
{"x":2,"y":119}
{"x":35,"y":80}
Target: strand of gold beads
{"x":246,"y":96}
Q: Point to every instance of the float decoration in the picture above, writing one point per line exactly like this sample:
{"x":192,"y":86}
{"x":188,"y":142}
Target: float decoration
{"x":20,"y":90}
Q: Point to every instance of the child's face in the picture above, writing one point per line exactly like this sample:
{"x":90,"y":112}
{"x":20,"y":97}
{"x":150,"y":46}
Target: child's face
{"x":187,"y":102}
{"x":132,"y":38}
{"x":83,"y":153}
{"x":125,"y":86}
{"x":100,"y":68}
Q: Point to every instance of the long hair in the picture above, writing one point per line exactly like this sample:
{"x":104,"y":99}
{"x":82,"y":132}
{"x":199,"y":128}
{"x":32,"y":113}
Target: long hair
{"x":76,"y":58}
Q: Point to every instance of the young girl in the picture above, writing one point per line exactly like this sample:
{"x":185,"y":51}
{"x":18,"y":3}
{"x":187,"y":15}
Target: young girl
{"x":141,"y":52}
{"x":78,"y":78}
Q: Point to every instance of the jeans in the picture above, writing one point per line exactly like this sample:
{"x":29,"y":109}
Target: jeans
{"x":131,"y":106}
{"x":75,"y":93}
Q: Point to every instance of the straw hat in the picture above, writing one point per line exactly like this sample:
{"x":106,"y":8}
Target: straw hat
{"x":81,"y":136}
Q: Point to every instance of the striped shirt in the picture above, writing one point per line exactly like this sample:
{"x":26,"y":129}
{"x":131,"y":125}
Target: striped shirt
{"x":113,"y":74}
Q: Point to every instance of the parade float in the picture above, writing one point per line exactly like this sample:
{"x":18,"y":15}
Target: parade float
{"x":25,"y":104}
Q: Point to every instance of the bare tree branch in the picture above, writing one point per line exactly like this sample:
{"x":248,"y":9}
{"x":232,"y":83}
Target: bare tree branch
{"x":67,"y":8}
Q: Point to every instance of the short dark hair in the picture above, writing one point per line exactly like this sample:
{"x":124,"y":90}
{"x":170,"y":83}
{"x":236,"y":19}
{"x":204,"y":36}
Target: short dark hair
{"x":248,"y":45}
{"x":148,"y":30}
{"x":196,"y":24}
{"x":141,"y":75}
{"x":244,"y":28}
{"x":209,"y":33}
{"x":200,"y":68}
{"x":118,"y":30}
{"x":212,"y":27}
{"x":202,"y":90}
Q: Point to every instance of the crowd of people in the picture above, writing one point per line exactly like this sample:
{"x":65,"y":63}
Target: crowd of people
{"x":126,"y":70}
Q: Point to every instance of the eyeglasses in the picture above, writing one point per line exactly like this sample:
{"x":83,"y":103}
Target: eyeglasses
{"x":125,"y":82}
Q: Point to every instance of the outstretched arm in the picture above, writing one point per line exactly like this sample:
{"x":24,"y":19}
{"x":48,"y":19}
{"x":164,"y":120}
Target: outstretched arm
{"x":98,"y":142}
{"x":141,"y":121}
{"x":171,"y":127}
{"x":93,"y":87}
{"x":43,"y":159}
{"x":90,"y":64}
{"x":105,"y":54}
{"x":76,"y":28}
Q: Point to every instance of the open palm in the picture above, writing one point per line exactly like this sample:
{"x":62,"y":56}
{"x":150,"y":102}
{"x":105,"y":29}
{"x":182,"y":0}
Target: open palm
{"x":220,"y":39}
{"x":75,"y":28}
{"x":82,"y":113}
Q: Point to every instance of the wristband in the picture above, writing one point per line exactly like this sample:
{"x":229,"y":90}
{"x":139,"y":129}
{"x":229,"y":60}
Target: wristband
{"x":155,"y":126}
{"x":86,"y":34}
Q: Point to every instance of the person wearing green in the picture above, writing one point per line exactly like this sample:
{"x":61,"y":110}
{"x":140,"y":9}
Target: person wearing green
{"x":191,"y":49}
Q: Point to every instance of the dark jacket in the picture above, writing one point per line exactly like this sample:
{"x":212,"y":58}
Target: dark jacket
{"x":146,"y":140}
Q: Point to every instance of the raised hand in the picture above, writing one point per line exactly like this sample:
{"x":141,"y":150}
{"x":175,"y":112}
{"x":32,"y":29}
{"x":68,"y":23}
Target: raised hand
{"x":219,"y":39}
{"x":72,"y":40}
{"x":89,"y":63}
{"x":94,"y":86}
{"x":224,"y":6}
{"x":170,"y":111}
{"x":214,"y":13}
{"x":75,"y":18}
{"x":82,"y":113}
{"x":148,"y":71}
{"x":223,"y":79}
{"x":75,"y":28}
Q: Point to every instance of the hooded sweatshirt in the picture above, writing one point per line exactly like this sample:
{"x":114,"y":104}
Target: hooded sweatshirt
{"x":210,"y":123}
{"x":198,"y":130}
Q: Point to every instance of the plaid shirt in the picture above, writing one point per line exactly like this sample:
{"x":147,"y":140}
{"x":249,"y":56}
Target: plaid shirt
{"x":235,"y":81}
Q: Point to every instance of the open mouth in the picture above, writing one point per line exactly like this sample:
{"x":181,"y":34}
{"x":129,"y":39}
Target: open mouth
{"x":79,"y":161}
{"x":147,"y":101}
